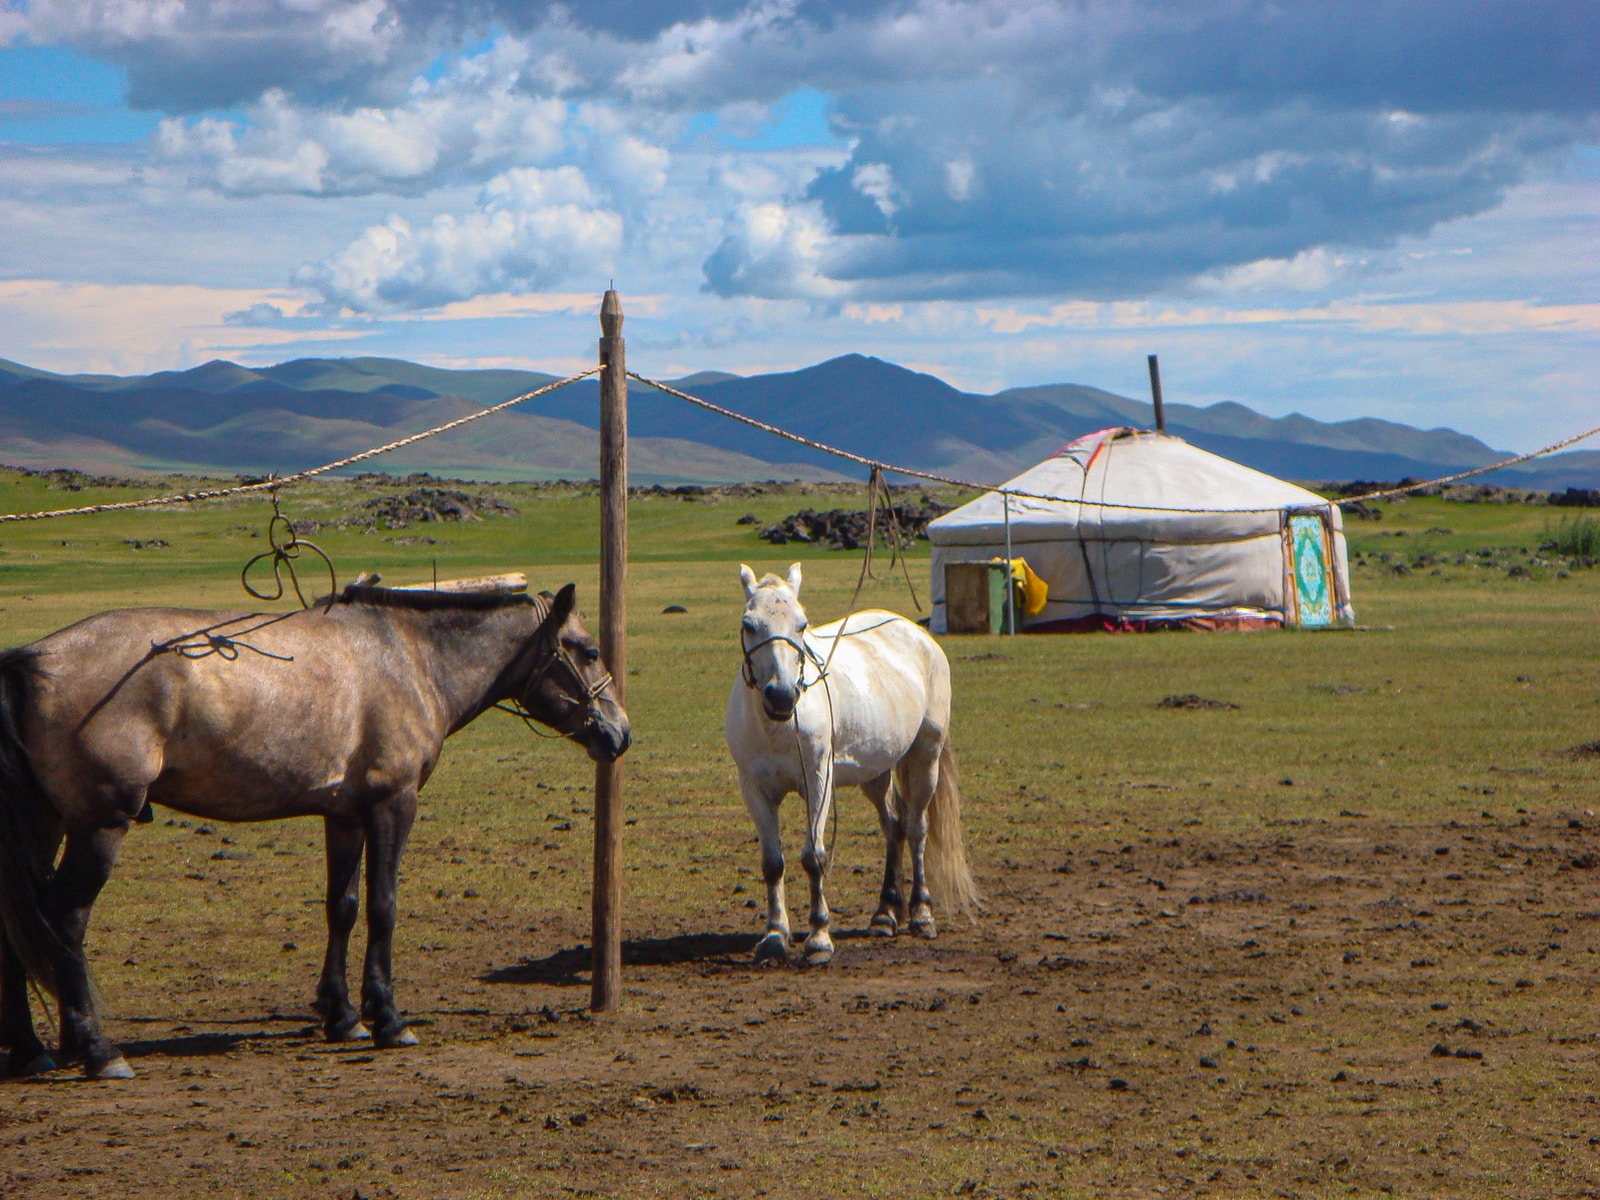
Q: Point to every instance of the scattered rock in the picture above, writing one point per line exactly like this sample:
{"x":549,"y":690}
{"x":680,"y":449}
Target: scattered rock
{"x":674,"y":608}
{"x":1191,"y":700}
{"x":1241,"y":896}
{"x":422,"y":504}
{"x":1576,"y":498}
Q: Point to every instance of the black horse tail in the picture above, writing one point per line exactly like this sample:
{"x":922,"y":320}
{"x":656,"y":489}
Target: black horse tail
{"x":28,"y":834}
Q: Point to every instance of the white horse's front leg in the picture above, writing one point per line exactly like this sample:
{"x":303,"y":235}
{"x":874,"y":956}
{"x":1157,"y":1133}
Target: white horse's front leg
{"x":819,"y":799}
{"x":764,"y":812}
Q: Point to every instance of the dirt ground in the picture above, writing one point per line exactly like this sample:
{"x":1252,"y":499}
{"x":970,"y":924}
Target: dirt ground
{"x":1345,"y":1006}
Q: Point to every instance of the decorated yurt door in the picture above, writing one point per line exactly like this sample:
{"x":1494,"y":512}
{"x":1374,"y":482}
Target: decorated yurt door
{"x":1310,"y":570}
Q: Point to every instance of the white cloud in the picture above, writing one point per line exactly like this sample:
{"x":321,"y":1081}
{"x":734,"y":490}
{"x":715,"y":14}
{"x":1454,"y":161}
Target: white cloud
{"x":533,"y":229}
{"x":1309,"y":271}
{"x":137,"y":328}
{"x":13,"y":25}
{"x":472,"y":121}
{"x":876,"y":182}
{"x":1463,"y":318}
{"x":959,"y":174}
{"x":774,"y":251}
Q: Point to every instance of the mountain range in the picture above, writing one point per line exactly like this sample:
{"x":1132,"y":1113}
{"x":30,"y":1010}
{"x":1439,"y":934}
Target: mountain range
{"x":222,"y":417}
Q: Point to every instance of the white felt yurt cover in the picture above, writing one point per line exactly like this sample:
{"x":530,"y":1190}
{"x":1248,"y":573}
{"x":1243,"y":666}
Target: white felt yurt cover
{"x":1145,"y":530}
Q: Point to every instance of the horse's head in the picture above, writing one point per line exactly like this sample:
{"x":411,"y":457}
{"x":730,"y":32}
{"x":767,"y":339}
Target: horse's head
{"x":772,"y":636}
{"x":568,"y":687}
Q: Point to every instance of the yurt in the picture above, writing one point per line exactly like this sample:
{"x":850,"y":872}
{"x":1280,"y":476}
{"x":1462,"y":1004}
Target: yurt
{"x":1129,"y":529}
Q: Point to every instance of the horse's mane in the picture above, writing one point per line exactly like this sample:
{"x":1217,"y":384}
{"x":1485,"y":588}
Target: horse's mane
{"x":420,"y":598}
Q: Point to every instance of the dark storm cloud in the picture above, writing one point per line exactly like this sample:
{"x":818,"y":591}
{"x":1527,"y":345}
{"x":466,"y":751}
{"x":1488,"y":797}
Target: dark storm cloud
{"x":1105,"y":151}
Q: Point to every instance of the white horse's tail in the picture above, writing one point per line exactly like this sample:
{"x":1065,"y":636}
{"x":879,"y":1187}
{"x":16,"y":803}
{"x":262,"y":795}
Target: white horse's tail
{"x":945,"y":860}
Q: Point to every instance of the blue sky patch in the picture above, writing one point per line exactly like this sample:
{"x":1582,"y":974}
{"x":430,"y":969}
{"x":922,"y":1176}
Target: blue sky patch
{"x":53,"y":96}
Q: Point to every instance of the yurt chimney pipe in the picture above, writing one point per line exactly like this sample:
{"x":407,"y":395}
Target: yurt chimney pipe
{"x":1155,"y":395}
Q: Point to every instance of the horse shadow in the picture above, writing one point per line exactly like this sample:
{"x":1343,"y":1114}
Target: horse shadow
{"x":570,"y":968}
{"x":190,"y":1045}
{"x":197,"y":1045}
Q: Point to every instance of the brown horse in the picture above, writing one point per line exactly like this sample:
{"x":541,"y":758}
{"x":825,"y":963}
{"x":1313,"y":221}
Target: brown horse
{"x":338,"y":712}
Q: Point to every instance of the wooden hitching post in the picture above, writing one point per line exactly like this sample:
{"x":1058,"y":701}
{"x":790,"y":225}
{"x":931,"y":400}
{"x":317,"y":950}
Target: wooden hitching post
{"x":606,"y":898}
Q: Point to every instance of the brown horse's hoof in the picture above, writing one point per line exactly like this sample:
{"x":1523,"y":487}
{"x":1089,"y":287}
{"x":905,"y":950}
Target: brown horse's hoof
{"x":883,"y":925}
{"x":923,"y":925}
{"x":347,"y":1031}
{"x":113,"y":1068}
{"x":39,"y":1064}
{"x":394,"y":1040}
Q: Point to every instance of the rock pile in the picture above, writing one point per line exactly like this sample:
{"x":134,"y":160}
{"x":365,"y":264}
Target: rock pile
{"x":1576,"y":498}
{"x":841,"y":529}
{"x":435,"y":504}
{"x":419,"y":505}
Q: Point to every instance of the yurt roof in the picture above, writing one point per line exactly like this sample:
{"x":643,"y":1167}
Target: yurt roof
{"x":1129,"y":483}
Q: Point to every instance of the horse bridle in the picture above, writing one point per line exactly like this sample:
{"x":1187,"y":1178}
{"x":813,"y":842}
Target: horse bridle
{"x":582,"y":712}
{"x":748,"y":670}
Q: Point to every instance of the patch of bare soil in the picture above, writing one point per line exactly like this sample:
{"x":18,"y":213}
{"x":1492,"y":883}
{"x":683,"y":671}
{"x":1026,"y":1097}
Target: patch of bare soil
{"x":1330,"y":1006}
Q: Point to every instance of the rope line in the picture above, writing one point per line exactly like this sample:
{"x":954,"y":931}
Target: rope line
{"x":276,"y":482}
{"x":877,"y":465}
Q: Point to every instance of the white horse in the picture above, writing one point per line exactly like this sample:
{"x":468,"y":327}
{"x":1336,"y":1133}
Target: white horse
{"x":865,"y":706}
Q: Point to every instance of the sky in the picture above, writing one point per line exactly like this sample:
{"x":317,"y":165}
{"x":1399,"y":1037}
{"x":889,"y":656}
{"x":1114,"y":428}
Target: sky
{"x":1342,"y":209}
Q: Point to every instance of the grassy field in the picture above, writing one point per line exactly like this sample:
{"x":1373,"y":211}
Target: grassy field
{"x":1387,"y":823}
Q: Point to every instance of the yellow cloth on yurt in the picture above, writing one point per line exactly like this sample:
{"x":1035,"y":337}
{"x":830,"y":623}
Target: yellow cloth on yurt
{"x":1030,"y":592}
